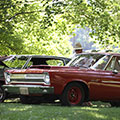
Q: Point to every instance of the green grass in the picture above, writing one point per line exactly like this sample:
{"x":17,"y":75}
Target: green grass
{"x":18,"y":111}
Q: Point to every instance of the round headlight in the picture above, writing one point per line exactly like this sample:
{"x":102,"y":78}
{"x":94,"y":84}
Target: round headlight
{"x":8,"y":78}
{"x":47,"y":79}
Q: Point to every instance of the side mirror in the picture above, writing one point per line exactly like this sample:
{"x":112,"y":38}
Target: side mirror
{"x":115,"y":71}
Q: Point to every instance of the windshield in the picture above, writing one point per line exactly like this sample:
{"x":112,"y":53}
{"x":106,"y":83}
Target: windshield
{"x":16,"y":62}
{"x":101,"y":63}
{"x":85,"y":60}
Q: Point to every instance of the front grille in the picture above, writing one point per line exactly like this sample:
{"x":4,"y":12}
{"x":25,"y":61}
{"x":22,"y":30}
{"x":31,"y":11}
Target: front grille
{"x":26,"y":80}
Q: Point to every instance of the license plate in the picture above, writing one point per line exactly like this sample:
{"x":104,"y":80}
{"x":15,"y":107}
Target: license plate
{"x":24,"y":91}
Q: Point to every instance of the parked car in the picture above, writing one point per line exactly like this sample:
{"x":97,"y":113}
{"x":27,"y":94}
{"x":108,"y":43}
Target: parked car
{"x":89,"y":76}
{"x":23,"y":62}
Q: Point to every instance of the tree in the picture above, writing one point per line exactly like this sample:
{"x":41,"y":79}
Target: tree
{"x":100,"y":16}
{"x":30,"y":27}
{"x":9,"y":39}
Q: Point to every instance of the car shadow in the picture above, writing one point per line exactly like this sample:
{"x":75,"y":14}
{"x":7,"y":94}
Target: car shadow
{"x":58,"y":103}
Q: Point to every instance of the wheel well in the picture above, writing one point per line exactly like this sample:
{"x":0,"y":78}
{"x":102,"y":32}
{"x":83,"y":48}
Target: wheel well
{"x":85,"y":87}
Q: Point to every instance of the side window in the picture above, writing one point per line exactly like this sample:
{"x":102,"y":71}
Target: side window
{"x":55,"y":62}
{"x":117,"y":64}
{"x":119,"y":60}
{"x":111,"y":65}
{"x":29,"y":64}
{"x":101,"y":63}
{"x":17,"y":63}
{"x":114,"y":64}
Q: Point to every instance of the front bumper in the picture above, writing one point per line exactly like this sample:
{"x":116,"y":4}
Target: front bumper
{"x":28,"y":89}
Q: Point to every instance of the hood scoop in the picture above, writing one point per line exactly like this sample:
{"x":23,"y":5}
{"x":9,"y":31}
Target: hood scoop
{"x":40,"y":66}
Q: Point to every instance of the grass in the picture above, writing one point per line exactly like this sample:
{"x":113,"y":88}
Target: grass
{"x":18,"y":111}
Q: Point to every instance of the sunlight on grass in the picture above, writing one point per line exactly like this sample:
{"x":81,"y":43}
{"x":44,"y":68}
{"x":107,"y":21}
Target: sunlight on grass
{"x":90,"y":108}
{"x":98,"y":115}
{"x":20,"y":109}
{"x":12,"y":100}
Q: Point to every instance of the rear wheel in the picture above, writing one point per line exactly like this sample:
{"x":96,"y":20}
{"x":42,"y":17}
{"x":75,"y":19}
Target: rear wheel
{"x":73,"y":95}
{"x":2,"y":94}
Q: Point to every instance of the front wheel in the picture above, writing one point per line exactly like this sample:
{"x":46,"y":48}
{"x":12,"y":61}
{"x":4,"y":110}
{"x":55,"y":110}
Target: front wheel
{"x":2,"y":95}
{"x":73,"y":95}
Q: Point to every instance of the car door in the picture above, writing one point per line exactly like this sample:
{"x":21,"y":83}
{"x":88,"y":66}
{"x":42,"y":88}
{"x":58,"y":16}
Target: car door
{"x":110,"y":80}
{"x":96,"y":87}
{"x":99,"y":88}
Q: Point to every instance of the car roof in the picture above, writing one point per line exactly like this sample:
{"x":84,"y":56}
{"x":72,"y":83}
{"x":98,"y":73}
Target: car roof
{"x":101,"y":53}
{"x":43,"y":56}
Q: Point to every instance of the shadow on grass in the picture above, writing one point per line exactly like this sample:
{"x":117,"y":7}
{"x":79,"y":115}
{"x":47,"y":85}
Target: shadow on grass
{"x":57,"y":103}
{"x":54,"y":111}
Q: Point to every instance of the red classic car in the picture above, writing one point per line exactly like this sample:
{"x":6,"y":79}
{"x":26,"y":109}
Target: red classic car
{"x":23,"y":62}
{"x":89,"y":76}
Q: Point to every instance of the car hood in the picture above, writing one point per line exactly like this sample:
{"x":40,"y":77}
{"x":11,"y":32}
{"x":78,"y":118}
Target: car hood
{"x":44,"y":68}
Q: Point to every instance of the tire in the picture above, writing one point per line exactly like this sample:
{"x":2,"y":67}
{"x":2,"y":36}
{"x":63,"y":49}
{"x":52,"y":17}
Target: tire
{"x":73,"y":95}
{"x":2,"y":95}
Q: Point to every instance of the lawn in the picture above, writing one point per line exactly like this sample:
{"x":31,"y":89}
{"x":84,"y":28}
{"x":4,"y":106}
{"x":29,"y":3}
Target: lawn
{"x":18,"y":111}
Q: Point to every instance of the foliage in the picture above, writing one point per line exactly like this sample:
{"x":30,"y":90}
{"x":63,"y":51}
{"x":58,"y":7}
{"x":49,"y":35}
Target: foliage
{"x":9,"y":39}
{"x":100,"y":16}
{"x":33,"y":27}
{"x":17,"y":111}
{"x":44,"y":26}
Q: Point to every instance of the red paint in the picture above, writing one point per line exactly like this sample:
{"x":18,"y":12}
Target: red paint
{"x":98,"y":81}
{"x":74,"y":95}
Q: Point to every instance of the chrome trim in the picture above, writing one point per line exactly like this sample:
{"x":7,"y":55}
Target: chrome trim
{"x":28,"y":82}
{"x":28,"y":89}
{"x":27,"y":76}
{"x":95,"y":80}
{"x":111,"y":82}
{"x":34,"y":86}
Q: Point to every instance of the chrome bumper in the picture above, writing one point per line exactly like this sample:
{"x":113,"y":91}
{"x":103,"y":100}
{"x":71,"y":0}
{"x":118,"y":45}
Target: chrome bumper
{"x":28,"y":89}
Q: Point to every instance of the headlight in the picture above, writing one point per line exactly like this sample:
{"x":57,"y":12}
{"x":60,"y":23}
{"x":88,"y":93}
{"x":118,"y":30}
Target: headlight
{"x":47,"y":79}
{"x":7,"y":77}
